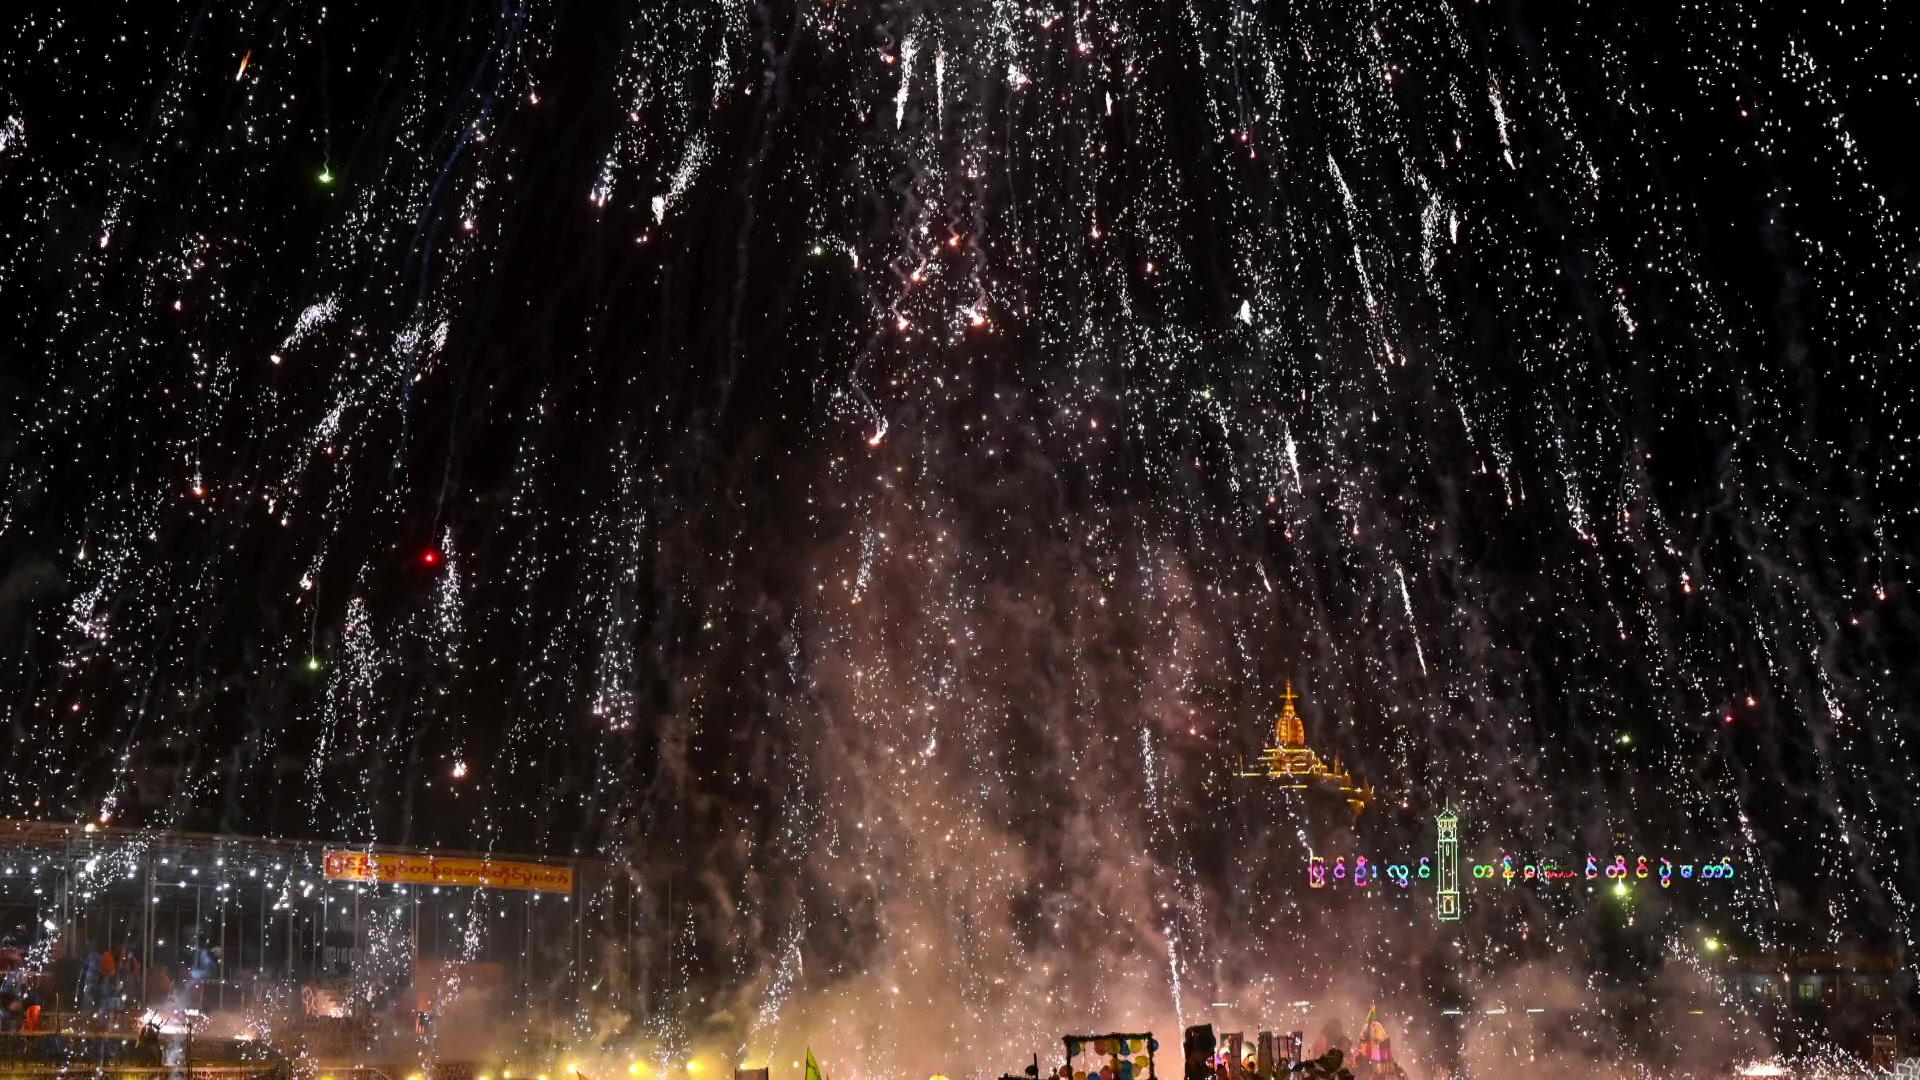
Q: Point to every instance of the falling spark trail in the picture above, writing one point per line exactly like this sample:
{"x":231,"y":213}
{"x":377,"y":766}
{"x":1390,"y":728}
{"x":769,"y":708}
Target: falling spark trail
{"x":891,"y":511}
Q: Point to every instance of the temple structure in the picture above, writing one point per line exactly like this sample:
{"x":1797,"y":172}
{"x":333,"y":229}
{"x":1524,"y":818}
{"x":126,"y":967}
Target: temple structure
{"x":1294,"y":766}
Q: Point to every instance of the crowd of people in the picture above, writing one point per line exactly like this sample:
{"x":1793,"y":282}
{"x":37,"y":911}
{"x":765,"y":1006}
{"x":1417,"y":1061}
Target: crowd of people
{"x":107,"y":983}
{"x":1369,"y":1058}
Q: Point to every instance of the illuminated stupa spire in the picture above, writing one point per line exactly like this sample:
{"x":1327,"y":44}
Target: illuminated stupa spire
{"x":1289,"y":732}
{"x":1295,"y":766}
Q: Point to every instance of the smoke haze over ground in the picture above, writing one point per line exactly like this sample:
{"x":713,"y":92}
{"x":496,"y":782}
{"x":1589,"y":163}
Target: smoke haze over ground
{"x":874,"y":469}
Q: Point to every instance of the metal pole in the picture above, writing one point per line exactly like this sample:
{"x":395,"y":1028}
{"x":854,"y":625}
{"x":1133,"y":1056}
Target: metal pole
{"x":219,"y":894}
{"x":353,"y":953}
{"x":413,"y":964}
{"x":66,"y":889}
{"x":667,"y":933}
{"x":66,"y":910}
{"x":199,"y":943}
{"x":577,"y":906}
{"x":146,"y":932}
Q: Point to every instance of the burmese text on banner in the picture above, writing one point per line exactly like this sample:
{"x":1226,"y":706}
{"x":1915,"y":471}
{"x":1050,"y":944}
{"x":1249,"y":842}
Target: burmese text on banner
{"x":431,"y":870}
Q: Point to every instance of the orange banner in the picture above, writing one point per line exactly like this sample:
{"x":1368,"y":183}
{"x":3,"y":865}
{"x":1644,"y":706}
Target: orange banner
{"x":429,"y":870}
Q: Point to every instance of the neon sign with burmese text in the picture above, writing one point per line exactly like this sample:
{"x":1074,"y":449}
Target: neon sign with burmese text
{"x":1364,"y":873}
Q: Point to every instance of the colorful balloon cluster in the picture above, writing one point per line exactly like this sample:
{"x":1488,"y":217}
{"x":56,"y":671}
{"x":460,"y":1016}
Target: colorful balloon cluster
{"x":1127,"y":1058}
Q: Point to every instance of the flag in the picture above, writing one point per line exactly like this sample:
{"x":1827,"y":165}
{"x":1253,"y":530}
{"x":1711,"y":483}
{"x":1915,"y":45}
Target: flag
{"x":813,"y":1067}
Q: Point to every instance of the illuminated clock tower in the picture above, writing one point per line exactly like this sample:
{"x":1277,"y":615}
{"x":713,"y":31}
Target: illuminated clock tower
{"x":1448,"y":899}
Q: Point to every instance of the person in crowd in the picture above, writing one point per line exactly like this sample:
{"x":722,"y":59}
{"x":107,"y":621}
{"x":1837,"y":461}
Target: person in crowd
{"x":1332,"y":1037}
{"x":130,"y":977}
{"x":159,"y":985}
{"x":12,"y":953}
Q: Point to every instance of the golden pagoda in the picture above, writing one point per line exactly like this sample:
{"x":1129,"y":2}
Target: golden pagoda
{"x":1294,"y":766}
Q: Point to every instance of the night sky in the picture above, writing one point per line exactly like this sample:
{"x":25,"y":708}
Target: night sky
{"x":872,"y":463}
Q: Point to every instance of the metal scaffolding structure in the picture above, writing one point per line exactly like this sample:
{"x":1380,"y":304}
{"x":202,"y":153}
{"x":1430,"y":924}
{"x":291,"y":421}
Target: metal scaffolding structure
{"x":310,"y":932}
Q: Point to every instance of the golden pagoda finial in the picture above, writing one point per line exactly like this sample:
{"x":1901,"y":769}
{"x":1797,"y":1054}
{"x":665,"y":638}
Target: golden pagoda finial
{"x":1289,"y":731}
{"x":1294,"y":765}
